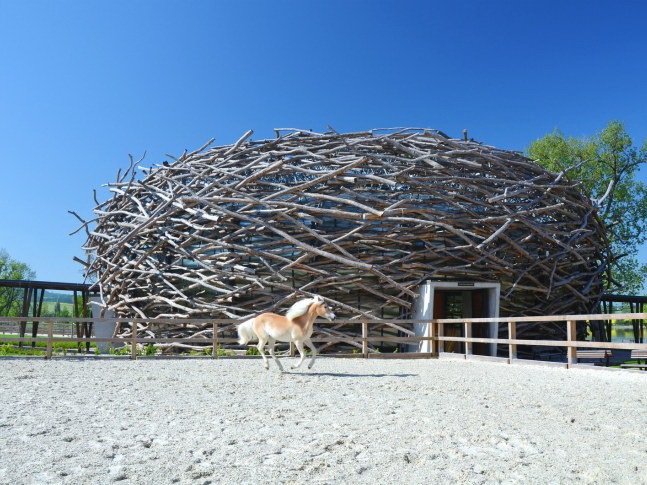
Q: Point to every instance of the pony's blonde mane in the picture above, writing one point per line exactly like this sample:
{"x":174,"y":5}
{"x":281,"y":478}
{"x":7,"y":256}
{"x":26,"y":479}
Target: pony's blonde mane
{"x":301,"y":307}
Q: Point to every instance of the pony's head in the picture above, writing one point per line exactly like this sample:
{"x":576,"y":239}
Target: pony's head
{"x":303,"y":306}
{"x":321,"y":309}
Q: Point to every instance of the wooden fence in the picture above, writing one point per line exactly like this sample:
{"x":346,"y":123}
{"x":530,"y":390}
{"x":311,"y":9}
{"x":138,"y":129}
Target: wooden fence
{"x":435,"y":334}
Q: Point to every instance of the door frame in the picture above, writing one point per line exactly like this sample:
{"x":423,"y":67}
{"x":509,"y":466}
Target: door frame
{"x":423,"y":308}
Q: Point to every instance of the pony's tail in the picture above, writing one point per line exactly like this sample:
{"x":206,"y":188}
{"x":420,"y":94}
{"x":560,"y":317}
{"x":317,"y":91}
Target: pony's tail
{"x":246,"y":332}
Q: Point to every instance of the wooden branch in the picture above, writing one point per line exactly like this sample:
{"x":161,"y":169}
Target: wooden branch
{"x":360,"y":218}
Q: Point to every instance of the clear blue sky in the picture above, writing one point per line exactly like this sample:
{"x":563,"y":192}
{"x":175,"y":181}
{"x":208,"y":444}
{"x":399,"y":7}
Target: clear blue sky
{"x":83,"y":84}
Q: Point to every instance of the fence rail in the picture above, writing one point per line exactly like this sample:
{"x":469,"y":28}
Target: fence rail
{"x":434,"y":334}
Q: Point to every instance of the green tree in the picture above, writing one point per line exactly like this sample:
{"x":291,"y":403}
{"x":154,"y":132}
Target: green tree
{"x":607,"y":165}
{"x":10,"y":269}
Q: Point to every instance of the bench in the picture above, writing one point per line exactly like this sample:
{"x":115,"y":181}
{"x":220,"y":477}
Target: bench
{"x":637,"y":355}
{"x":594,"y":354}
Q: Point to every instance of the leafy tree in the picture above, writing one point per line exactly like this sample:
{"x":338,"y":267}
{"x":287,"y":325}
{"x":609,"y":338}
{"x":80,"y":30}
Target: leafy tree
{"x":607,"y":164}
{"x":10,"y":269}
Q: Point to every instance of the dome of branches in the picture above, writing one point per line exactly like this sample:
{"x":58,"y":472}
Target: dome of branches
{"x":360,"y":218}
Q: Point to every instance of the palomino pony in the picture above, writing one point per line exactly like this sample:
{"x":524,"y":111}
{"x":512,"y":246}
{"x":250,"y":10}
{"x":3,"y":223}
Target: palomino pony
{"x":295,"y":326}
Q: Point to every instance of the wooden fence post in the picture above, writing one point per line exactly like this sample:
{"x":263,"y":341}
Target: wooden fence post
{"x":364,"y":339}
{"x":512,"y":347}
{"x":441,"y":333}
{"x":133,"y":342}
{"x":571,"y":334}
{"x":433,"y":343}
{"x":50,"y":334}
{"x":468,"y":334}
{"x":214,"y":351}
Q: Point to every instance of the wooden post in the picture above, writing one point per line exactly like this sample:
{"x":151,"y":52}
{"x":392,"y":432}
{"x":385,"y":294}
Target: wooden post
{"x":133,"y":342}
{"x":641,"y":324}
{"x":441,"y":333}
{"x":364,"y":339}
{"x":571,"y":334}
{"x":512,"y":347}
{"x":468,"y":334}
{"x":50,"y":334}
{"x":433,"y":343}
{"x":26,"y":298}
{"x":79,"y":327}
{"x":214,"y":351}
{"x":37,"y":312}
{"x":86,"y":325}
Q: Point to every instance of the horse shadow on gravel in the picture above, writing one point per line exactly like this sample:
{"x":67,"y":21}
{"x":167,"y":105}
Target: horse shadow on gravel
{"x":348,"y":374}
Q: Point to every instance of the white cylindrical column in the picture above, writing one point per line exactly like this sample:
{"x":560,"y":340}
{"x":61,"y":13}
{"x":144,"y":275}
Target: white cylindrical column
{"x":102,"y":329}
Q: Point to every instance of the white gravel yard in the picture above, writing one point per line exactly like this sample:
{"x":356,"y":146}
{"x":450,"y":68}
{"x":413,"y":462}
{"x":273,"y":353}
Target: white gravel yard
{"x":102,"y":420}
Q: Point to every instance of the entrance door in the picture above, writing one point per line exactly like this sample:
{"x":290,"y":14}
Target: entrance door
{"x":462,"y":304}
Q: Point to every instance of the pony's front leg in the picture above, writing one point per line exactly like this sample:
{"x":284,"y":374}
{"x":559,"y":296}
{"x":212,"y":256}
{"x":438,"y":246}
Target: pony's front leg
{"x":261,"y":344}
{"x":272,"y":342}
{"x":299,"y":345}
{"x":309,"y":343}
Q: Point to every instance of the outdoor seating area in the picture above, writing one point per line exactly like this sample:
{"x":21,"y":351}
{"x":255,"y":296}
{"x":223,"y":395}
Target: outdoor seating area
{"x":595,"y":356}
{"x":638,"y":355}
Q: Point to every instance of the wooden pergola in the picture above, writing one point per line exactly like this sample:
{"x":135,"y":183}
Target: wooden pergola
{"x":32,"y":302}
{"x":636,"y":305}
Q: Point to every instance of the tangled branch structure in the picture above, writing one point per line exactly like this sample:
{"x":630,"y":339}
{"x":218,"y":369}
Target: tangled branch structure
{"x":360,"y":218}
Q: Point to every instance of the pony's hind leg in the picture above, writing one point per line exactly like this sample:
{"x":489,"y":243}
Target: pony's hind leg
{"x":309,"y":343}
{"x":299,"y":345}
{"x":271,"y":343}
{"x":259,"y":346}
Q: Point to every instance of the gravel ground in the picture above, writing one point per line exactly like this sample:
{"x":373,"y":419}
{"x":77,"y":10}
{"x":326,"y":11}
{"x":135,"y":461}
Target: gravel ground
{"x":102,"y":420}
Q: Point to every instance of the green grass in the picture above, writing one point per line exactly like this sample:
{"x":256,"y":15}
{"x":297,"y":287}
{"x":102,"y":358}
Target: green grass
{"x":67,"y":345}
{"x":8,"y":349}
{"x":50,"y":306}
{"x":220,"y":352}
{"x":9,"y":346}
{"x":633,"y":362}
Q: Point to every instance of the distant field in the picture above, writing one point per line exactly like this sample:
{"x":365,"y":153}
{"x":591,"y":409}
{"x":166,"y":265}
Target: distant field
{"x":54,"y":296}
{"x":50,"y":306}
{"x":49,"y":309}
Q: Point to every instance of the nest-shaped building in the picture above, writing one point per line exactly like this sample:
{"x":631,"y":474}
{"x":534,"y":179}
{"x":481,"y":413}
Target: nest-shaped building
{"x":363,"y":219}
